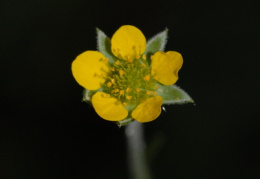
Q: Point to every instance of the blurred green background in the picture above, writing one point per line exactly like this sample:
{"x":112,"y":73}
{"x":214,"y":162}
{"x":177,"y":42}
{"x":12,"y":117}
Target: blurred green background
{"x":47,"y":132}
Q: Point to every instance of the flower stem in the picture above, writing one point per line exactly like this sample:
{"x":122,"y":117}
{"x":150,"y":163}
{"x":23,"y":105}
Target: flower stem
{"x":137,"y":161}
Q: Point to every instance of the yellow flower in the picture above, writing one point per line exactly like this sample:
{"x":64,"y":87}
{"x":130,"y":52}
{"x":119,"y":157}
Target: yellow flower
{"x":112,"y":80}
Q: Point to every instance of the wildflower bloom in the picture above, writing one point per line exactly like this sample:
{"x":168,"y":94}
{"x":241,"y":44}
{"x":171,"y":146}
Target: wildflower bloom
{"x":131,"y":79}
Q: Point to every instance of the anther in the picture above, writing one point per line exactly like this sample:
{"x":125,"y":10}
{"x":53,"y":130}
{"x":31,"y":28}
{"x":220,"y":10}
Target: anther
{"x":137,"y":90}
{"x":156,"y":87}
{"x":154,"y":93}
{"x":147,"y":78}
{"x":107,"y":95}
{"x":128,"y":89}
{"x":117,"y":62}
{"x":138,"y":56}
{"x":109,"y":84}
{"x":121,"y":72}
{"x":115,"y":90}
{"x":122,"y":92}
{"x":143,"y":65}
{"x":148,"y":92}
{"x":144,"y":57}
{"x":128,"y":97}
{"x":113,"y":80}
{"x":105,"y":59}
{"x":124,"y":103}
{"x":112,"y":69}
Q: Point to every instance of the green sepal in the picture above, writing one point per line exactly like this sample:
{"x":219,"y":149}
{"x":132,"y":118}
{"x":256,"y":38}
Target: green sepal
{"x":87,"y":94}
{"x":156,"y":43}
{"x":124,"y":122}
{"x":173,"y":95}
{"x":104,"y":45}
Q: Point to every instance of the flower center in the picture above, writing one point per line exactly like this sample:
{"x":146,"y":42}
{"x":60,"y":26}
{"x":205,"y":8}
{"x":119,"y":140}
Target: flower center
{"x":130,"y":81}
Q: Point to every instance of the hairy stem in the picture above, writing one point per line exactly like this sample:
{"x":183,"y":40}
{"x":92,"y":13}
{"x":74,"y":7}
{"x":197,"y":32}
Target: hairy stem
{"x":137,"y":161}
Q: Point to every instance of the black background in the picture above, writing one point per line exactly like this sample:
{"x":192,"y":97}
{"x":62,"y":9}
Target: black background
{"x":47,"y":132}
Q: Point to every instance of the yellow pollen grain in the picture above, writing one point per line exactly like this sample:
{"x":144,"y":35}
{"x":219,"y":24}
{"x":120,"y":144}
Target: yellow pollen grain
{"x":128,"y":89}
{"x":107,"y":95}
{"x":148,"y":92}
{"x":147,"y":78}
{"x":137,"y":90}
{"x":117,"y":62}
{"x":112,"y":69}
{"x":113,"y":81}
{"x":109,"y":84}
{"x":105,"y":59}
{"x":128,"y":97}
{"x":144,"y":57}
{"x":122,"y":92}
{"x":115,"y":91}
{"x":121,"y":72}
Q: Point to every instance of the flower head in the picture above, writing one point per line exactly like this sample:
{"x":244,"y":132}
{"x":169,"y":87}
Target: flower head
{"x":127,"y":83}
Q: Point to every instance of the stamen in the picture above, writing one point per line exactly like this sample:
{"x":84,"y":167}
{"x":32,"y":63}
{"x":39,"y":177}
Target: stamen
{"x":147,"y":78}
{"x":154,"y":93}
{"x":148,"y":92}
{"x":128,"y":89}
{"x":115,"y":90}
{"x":107,"y":95}
{"x":117,"y":62}
{"x":128,"y":97}
{"x":105,"y":59}
{"x":109,"y":84}
{"x":122,"y":92}
{"x":143,"y":65}
{"x":144,"y":57}
{"x":121,"y":72}
{"x":156,"y":87}
{"x":124,"y":103}
{"x":137,"y":90}
{"x":113,"y":80}
{"x":112,"y":69}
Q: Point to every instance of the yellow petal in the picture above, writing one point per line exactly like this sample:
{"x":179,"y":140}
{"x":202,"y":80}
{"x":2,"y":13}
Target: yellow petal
{"x":128,"y":42}
{"x":165,"y":66}
{"x":108,"y":108}
{"x":90,"y":69}
{"x":148,"y":110}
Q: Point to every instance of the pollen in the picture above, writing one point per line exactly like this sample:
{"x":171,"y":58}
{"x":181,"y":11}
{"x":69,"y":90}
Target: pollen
{"x":147,"y":78}
{"x":128,"y":89}
{"x":117,"y":62}
{"x":121,"y":72}
{"x":109,"y":84}
{"x":128,"y":97}
{"x":144,"y":57}
{"x":105,"y":59}
{"x":107,"y":95}
{"x":115,"y":90}
{"x":112,"y":69}
{"x":122,"y":92}
{"x":113,"y":81}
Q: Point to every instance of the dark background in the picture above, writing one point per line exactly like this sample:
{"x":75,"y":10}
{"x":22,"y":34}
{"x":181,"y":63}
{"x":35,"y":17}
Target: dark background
{"x":47,"y":132}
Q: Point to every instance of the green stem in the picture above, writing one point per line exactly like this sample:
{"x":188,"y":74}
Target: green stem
{"x":137,"y":161}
